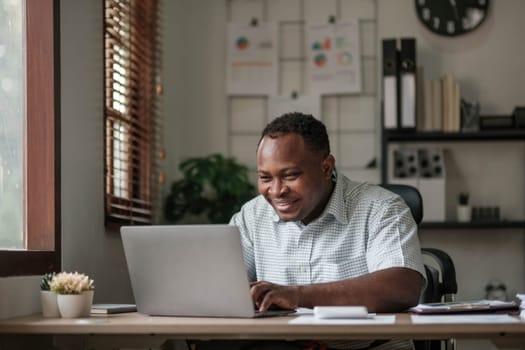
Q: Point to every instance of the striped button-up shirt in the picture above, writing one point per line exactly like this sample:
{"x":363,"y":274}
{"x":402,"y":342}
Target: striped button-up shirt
{"x":364,"y":228}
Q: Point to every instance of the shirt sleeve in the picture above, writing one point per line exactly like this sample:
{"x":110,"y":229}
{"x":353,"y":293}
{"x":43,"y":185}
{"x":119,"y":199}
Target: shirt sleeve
{"x":239,"y":220}
{"x":393,"y":240}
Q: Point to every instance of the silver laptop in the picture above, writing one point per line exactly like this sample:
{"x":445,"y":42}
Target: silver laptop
{"x":188,"y":270}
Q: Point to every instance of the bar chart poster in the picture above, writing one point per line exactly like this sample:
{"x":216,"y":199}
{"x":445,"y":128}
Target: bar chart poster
{"x":334,"y":58}
{"x":252,"y":59}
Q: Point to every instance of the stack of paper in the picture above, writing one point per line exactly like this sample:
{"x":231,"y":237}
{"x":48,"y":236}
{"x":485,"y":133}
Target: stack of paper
{"x":521,"y":298}
{"x":463,"y":318}
{"x":112,"y":308}
{"x":465,"y":306}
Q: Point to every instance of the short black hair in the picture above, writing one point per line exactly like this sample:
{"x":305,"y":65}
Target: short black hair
{"x":312,"y":131}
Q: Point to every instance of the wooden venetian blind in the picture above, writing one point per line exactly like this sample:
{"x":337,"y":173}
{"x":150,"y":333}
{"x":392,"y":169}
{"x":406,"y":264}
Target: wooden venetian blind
{"x":133,"y":92}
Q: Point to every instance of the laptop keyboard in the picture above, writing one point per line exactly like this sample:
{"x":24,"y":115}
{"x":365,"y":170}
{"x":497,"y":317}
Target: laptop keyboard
{"x":273,"y":313}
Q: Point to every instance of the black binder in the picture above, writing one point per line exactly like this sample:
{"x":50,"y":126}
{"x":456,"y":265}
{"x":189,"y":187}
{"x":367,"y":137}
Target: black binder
{"x":407,"y":60}
{"x":390,"y":84}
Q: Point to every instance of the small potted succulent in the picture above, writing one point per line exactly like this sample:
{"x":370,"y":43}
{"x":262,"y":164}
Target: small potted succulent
{"x":47,"y":297}
{"x":463,"y":208}
{"x":74,"y":294}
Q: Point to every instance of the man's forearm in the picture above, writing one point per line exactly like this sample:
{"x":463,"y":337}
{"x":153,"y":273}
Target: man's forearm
{"x":389,"y":290}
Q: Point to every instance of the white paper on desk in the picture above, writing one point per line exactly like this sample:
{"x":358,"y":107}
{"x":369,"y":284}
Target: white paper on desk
{"x":303,"y":311}
{"x":452,"y":319}
{"x":377,"y":319}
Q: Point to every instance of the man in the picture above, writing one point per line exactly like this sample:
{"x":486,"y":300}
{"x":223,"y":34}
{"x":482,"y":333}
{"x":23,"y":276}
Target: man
{"x":316,"y":238}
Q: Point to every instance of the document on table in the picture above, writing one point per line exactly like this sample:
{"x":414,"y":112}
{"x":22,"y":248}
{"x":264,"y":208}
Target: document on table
{"x":372,"y":319}
{"x":471,"y":318}
{"x":464,"y":307}
{"x":303,"y":311}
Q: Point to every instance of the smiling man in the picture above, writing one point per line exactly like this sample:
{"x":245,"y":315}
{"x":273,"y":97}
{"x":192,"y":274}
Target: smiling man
{"x":314,"y":237}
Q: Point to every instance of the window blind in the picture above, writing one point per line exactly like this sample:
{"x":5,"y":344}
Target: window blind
{"x":133,"y":111}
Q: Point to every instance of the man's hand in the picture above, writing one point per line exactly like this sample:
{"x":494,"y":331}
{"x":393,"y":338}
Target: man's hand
{"x":266,"y":294}
{"x":390,"y":290}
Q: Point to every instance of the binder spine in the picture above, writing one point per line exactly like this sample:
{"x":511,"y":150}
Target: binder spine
{"x":407,"y":59}
{"x":390,"y":84}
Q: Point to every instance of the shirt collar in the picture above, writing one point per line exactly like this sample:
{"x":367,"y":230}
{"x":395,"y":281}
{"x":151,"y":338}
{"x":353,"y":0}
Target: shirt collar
{"x":275,"y":217}
{"x":337,"y":203}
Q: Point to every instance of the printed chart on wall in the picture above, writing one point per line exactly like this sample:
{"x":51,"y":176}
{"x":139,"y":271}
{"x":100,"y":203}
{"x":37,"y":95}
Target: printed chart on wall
{"x":251,"y":59}
{"x":334,"y":58}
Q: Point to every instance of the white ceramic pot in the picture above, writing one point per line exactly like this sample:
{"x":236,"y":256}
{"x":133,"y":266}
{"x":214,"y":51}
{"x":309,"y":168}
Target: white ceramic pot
{"x":464,"y":213}
{"x":75,"y":305}
{"x":88,"y":295}
{"x":49,"y":303}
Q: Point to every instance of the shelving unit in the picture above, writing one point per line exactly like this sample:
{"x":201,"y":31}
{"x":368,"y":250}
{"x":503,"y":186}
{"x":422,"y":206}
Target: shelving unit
{"x":504,"y":224}
{"x":501,"y":135}
{"x":395,"y":136}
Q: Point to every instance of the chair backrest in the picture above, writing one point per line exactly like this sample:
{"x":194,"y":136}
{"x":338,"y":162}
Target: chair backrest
{"x":412,"y":198}
{"x":441,"y":282}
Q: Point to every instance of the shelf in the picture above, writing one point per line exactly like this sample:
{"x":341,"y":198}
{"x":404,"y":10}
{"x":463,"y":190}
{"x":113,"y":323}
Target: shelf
{"x":403,"y":136}
{"x":500,"y":135}
{"x":473,"y":225}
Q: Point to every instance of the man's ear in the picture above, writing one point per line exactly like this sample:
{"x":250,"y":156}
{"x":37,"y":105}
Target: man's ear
{"x":328,"y":166}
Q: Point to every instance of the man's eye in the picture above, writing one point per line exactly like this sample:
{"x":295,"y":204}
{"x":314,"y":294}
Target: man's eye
{"x":292,"y":175}
{"x":264,"y":178}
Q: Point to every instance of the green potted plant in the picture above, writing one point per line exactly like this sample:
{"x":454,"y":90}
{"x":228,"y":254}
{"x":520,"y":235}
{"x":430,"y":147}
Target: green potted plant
{"x":46,"y":280}
{"x":463,"y":208}
{"x":211,"y":190}
{"x":48,"y":298}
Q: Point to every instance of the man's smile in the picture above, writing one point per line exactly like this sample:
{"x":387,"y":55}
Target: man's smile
{"x":284,"y":205}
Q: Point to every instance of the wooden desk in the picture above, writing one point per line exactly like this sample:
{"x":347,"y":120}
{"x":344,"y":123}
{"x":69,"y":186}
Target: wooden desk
{"x":136,"y":330}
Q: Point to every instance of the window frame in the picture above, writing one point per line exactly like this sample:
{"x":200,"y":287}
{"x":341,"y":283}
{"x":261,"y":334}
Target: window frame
{"x":42,"y":156}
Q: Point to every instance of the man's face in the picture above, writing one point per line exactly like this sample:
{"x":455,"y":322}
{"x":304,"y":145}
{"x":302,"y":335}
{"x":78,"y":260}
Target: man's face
{"x":294,"y":180}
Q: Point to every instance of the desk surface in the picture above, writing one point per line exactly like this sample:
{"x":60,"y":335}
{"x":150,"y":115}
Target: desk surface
{"x":266,"y":328}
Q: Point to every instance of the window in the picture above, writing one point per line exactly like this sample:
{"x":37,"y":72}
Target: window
{"x":11,"y":123}
{"x":29,"y":137}
{"x":133,"y":94}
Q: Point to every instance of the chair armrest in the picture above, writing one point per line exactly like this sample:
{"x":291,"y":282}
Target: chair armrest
{"x":448,"y":271}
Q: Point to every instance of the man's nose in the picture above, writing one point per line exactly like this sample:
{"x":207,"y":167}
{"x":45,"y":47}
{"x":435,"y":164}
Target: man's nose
{"x":278,"y":188}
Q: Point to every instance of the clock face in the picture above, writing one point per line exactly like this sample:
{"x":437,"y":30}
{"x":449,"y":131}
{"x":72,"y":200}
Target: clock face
{"x":451,"y":17}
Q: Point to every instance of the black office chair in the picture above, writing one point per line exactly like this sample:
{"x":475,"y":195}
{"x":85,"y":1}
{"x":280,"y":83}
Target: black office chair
{"x":441,"y":280}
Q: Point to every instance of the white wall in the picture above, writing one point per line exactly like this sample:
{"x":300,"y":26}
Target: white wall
{"x":194,"y":59}
{"x":86,"y":245}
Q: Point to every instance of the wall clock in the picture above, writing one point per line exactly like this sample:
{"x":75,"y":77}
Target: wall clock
{"x":452,"y":17}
